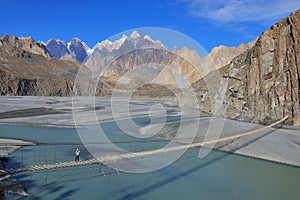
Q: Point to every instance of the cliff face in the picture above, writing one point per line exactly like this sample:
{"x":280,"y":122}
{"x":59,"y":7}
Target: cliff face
{"x":263,"y":83}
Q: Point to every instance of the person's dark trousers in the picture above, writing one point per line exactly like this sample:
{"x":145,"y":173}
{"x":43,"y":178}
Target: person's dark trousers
{"x":77,"y":158}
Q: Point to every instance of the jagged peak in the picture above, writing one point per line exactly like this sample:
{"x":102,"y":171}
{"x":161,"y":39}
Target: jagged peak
{"x":105,"y":42}
{"x":109,"y":45}
{"x":102,"y":44}
{"x":147,"y":37}
{"x":124,"y":37}
{"x":185,"y":51}
{"x":22,"y":39}
{"x":159,"y":43}
{"x":76,"y":39}
{"x":184,"y":48}
{"x":56,"y":41}
{"x":50,"y":40}
{"x":41,"y":42}
{"x":116,"y":44}
{"x":29,"y":38}
{"x":86,"y":47}
{"x":174,"y":49}
{"x":7,"y":36}
{"x":135,"y":34}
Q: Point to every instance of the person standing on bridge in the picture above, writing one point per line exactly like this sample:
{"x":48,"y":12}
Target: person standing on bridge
{"x":77,"y":152}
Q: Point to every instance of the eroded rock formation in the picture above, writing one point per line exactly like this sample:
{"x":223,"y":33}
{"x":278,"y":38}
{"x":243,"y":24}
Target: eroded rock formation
{"x":262,"y":83}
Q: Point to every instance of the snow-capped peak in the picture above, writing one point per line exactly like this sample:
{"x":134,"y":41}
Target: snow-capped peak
{"x":41,"y":42}
{"x":86,"y":47}
{"x":147,"y":37}
{"x":77,"y":49}
{"x":119,"y":42}
{"x":56,"y":41}
{"x":109,"y":45}
{"x":135,"y":38}
{"x":76,"y":39}
{"x":159,"y":43}
{"x":103,"y":44}
{"x":135,"y":35}
{"x":90,"y":51}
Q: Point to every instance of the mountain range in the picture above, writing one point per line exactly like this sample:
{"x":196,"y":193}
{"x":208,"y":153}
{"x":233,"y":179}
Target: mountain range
{"x":27,"y":68}
{"x":130,"y":55}
{"x":260,"y":79}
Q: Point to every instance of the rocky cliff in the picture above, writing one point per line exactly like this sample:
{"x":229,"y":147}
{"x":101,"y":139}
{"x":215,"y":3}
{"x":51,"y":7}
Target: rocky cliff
{"x":25,"y":43}
{"x":262,"y":84}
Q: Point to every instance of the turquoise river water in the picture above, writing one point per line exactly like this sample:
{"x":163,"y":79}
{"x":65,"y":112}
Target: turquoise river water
{"x":219,"y":175}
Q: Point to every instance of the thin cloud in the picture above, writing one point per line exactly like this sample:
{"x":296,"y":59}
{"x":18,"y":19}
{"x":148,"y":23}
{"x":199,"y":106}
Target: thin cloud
{"x":235,"y":11}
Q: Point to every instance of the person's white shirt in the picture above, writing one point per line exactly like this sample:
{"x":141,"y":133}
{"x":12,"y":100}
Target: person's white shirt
{"x":77,"y":152}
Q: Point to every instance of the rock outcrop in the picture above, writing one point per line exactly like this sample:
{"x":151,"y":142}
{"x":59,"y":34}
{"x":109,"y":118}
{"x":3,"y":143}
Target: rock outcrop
{"x":25,"y":43}
{"x":262,"y":84}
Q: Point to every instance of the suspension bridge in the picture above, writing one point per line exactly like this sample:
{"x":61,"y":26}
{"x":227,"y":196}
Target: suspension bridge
{"x":109,"y":159}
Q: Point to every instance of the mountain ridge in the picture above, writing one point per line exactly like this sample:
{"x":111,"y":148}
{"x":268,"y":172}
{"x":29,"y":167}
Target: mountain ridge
{"x":103,"y":53}
{"x":107,"y":52}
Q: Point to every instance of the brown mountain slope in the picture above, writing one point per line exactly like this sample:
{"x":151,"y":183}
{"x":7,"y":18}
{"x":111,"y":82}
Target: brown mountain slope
{"x":26,"y":73}
{"x":262,"y":83}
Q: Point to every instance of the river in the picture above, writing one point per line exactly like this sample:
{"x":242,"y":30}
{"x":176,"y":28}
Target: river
{"x":219,"y":175}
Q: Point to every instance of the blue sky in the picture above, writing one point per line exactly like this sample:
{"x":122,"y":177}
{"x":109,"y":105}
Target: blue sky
{"x":209,"y":22}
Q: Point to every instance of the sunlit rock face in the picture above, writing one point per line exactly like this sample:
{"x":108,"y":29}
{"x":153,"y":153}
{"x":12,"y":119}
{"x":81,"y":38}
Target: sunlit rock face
{"x":262,"y":84}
